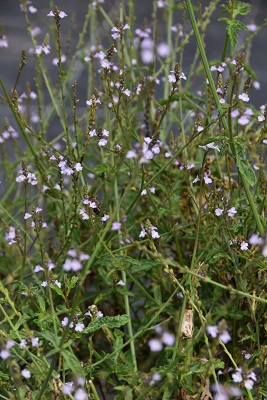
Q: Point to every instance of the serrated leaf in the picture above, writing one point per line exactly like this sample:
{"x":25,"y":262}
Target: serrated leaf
{"x":101,"y":168}
{"x":58,"y":290}
{"x":232,"y":27}
{"x":22,"y":319}
{"x":38,"y":294}
{"x":157,"y":294}
{"x":144,"y":265}
{"x":73,"y":281}
{"x":241,"y":8}
{"x":110,"y":322}
{"x":3,"y":376}
{"x":246,"y":170}
{"x":72,"y":363}
{"x":50,"y":337}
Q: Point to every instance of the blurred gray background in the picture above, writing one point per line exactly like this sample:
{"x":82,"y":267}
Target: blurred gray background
{"x":14,"y":26}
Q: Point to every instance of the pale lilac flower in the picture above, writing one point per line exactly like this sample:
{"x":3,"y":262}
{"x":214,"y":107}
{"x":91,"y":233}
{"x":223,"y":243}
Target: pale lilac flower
{"x":206,"y":178}
{"x":79,"y":327}
{"x":27,"y":216}
{"x":256,"y":85}
{"x":235,"y":113}
{"x":61,"y":14}
{"x":57,"y":283}
{"x":44,"y":283}
{"x":80,"y":394}
{"x":155,"y":345}
{"x":163,"y":50}
{"x":3,"y":41}
{"x":65,"y":322}
{"x":67,"y":388}
{"x":127,"y":92}
{"x":154,"y":232}
{"x":83,"y":213}
{"x":102,"y":142}
{"x":105,"y":217}
{"x":244,"y":246}
{"x":78,"y":166}
{"x":224,"y":336}
{"x":4,"y":354}
{"x":43,"y":48}
{"x":248,"y":383}
{"x":162,"y":3}
{"x":36,"y":31}
{"x":72,"y":265}
{"x":143,"y":232}
{"x":155,"y":377}
{"x":105,"y":133}
{"x":244,"y":97}
{"x":10,"y":235}
{"x":264,"y":251}
{"x":252,"y":27}
{"x":147,"y":51}
{"x":10,"y":344}
{"x":171,"y":78}
{"x":261,"y":118}
{"x":35,"y":342}
{"x":26,"y":373}
{"x":168,"y":339}
{"x":213,"y":330}
{"x":23,"y":344}
{"x":218,"y":212}
{"x":200,"y":128}
{"x":99,"y":314}
{"x":243,"y":120}
{"x":219,"y":331}
{"x":196,"y":179}
{"x":63,"y":59}
{"x":225,"y":392}
{"x":237,"y":376}
{"x":255,"y":239}
{"x":121,"y":283}
{"x":116,"y":226}
{"x":231,"y":212}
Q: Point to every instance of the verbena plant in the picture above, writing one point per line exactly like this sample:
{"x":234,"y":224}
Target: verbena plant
{"x":133,"y":248}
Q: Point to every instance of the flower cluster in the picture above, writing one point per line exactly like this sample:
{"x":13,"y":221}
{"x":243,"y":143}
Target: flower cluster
{"x":26,"y":176}
{"x":166,"y":338}
{"x":76,"y":325}
{"x":76,"y":388}
{"x":149,"y":230}
{"x":8,"y":133}
{"x":248,"y":378}
{"x":75,"y":262}
{"x":117,"y":32}
{"x":31,"y":342}
{"x":219,"y":331}
{"x":4,"y":352}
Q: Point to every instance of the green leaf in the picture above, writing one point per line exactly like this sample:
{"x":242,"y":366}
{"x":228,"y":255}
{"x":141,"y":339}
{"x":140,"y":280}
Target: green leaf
{"x":58,"y":290}
{"x":50,"y":337}
{"x":22,"y":319}
{"x":101,"y":168}
{"x":38,"y":294}
{"x":144,"y":265}
{"x":157,"y":294}
{"x":110,"y":322}
{"x":232,"y":26}
{"x":246,"y":170}
{"x":241,"y":8}
{"x":72,"y":363}
{"x":73,"y":281}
